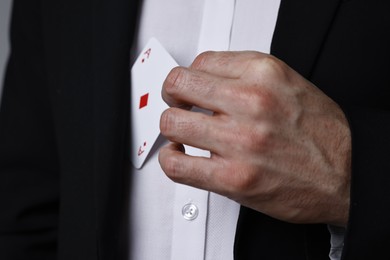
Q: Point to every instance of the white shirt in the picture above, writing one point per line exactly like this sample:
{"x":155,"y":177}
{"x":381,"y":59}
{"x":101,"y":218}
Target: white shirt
{"x":173,"y":221}
{"x":159,"y":229}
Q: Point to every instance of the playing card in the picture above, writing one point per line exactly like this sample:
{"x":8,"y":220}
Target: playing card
{"x":147,"y":76}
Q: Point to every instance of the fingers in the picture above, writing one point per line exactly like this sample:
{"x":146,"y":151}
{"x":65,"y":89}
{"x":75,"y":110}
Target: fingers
{"x":225,"y":64}
{"x":215,"y":174}
{"x":192,"y":128}
{"x":184,"y":87}
{"x":189,"y":170}
{"x":214,"y":81}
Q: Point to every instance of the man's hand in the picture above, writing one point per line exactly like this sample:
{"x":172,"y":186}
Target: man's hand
{"x":278,"y":144}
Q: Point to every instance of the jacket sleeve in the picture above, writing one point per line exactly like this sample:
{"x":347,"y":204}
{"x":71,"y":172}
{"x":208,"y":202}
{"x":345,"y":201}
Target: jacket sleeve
{"x":368,"y":232}
{"x":28,"y":159}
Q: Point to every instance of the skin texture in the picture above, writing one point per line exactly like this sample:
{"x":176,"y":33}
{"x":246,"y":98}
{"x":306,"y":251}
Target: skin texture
{"x":278,"y":144}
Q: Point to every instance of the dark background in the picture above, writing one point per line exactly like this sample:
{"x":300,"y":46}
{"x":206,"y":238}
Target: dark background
{"x":5,"y":9}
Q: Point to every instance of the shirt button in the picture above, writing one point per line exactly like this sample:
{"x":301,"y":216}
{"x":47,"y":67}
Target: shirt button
{"x":190,"y":211}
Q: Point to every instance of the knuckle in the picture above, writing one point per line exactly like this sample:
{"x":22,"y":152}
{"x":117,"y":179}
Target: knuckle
{"x":267,"y":66}
{"x":271,"y":62}
{"x":246,"y":141}
{"x":248,"y":184}
{"x":256,"y":102}
{"x":262,"y":139}
{"x":193,"y":128}
{"x":173,"y":124}
{"x":250,"y":142}
{"x":176,"y":126}
{"x":201,"y":60}
{"x":167,"y":121}
{"x":243,"y":183}
{"x":171,"y":166}
{"x":256,"y":139}
{"x":260,"y":101}
{"x":174,"y":79}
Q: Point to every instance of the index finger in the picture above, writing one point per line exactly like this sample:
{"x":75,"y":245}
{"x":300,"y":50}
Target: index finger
{"x":184,"y":86}
{"x":228,"y":64}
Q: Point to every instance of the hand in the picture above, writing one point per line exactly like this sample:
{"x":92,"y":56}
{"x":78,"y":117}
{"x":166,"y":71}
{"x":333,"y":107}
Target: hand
{"x":278,"y":144}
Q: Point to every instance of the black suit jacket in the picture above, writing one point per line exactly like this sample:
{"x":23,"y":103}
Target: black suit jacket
{"x":64,"y":127}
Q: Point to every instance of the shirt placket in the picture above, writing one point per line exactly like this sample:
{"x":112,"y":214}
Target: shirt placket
{"x":190,"y":204}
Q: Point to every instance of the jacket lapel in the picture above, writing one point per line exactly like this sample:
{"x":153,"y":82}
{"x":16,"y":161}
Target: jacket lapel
{"x":67,"y":33}
{"x":300,"y":31}
{"x":88,"y":46}
{"x":114,"y":29}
